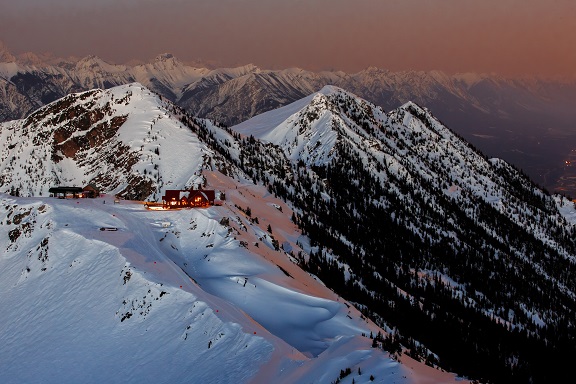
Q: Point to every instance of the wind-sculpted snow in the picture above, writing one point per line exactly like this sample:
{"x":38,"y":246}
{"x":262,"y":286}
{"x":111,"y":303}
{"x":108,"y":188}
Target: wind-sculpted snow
{"x":85,"y":306}
{"x":307,"y":322}
{"x":167,"y":297}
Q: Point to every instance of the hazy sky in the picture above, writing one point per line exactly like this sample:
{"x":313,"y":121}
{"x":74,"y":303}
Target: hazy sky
{"x":512,"y":37}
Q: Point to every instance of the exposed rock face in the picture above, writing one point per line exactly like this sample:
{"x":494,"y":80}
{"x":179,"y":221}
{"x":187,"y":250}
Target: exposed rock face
{"x":83,"y":138}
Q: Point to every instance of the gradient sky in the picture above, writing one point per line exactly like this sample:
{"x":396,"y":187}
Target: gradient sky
{"x":510,"y":37}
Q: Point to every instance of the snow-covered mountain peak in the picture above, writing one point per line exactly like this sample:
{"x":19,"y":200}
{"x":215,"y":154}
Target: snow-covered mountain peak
{"x":398,"y":189}
{"x":167,"y":61}
{"x":247,"y":68}
{"x":413,"y":109}
{"x":5,"y":55}
{"x":89,"y":62}
{"x":309,"y":129}
{"x":411,"y":105}
{"x":30,"y":58}
{"x":121,"y":139}
{"x":407,"y":144}
{"x":330,"y":90}
{"x":95,"y":65}
{"x":167,"y":75}
{"x":469,"y":79}
{"x":165,"y":57}
{"x":239,"y":71}
{"x":373,"y":72}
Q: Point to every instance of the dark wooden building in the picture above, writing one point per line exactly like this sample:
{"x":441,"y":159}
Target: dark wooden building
{"x":91,"y":191}
{"x":62,"y":192}
{"x":176,"y":198}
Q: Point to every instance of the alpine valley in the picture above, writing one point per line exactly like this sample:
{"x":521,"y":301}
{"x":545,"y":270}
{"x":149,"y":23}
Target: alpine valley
{"x":348,"y":245}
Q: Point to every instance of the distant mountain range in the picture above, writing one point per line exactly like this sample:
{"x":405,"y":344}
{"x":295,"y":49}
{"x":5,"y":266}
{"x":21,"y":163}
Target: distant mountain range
{"x":528,"y":122}
{"x":460,"y":259}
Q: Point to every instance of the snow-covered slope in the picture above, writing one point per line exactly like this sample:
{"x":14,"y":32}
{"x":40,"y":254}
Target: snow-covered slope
{"x":172,"y":297}
{"x":93,"y":306}
{"x":412,"y":221}
{"x":461,"y":259}
{"x":83,"y":305}
{"x":407,"y":145}
{"x":210,"y":295}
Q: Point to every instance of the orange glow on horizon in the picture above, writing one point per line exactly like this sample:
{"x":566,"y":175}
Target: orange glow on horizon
{"x":509,"y":37}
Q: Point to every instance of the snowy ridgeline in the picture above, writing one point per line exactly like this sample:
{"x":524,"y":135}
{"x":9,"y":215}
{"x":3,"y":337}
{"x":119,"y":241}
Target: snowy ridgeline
{"x":233,"y":95}
{"x":396,"y":209}
{"x":168,"y":297}
{"x":416,"y":222}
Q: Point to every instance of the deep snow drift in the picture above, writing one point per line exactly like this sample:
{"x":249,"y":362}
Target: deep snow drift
{"x":171,"y":296}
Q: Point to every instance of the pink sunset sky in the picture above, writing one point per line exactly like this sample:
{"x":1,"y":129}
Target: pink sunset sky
{"x":510,"y":37}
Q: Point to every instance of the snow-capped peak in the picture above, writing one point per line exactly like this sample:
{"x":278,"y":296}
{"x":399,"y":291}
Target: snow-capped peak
{"x":89,"y":62}
{"x":239,"y":71}
{"x":164,"y":57}
{"x":331,"y":89}
{"x":308,"y":129}
{"x":120,"y":139}
{"x":167,"y":61}
{"x":94,"y":65}
{"x":5,"y":55}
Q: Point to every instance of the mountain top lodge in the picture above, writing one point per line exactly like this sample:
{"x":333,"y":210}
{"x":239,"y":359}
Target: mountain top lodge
{"x":75,"y":192}
{"x":176,"y":198}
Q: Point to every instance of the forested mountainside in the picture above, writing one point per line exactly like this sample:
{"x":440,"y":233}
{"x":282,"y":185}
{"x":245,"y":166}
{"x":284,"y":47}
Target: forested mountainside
{"x":461,"y":256}
{"x":462,"y":260}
